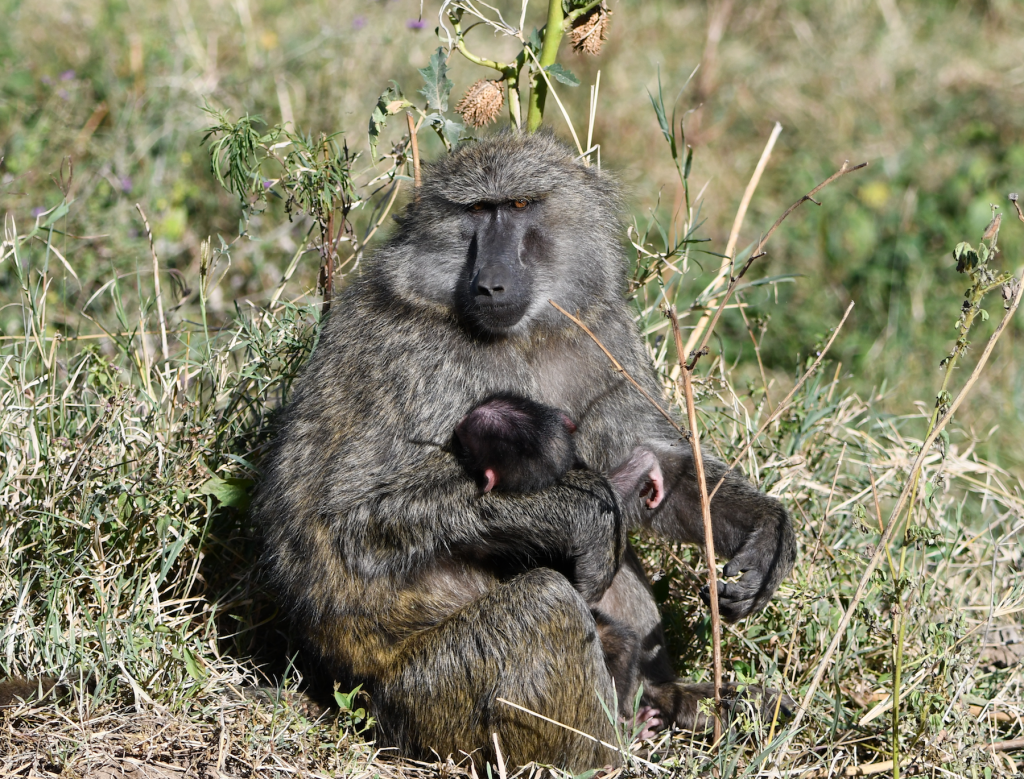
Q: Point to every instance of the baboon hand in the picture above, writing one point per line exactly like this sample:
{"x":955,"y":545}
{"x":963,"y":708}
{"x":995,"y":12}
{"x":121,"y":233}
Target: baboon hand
{"x":754,"y":588}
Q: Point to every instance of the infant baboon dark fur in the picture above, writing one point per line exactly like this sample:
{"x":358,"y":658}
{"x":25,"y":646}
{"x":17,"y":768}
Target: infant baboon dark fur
{"x":514,"y":444}
{"x":400,"y":575}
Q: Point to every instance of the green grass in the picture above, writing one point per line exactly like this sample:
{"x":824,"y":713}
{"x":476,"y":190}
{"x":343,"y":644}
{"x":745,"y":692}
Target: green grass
{"x":126,"y":558}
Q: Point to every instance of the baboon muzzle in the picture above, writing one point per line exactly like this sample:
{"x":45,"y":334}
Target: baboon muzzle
{"x":500,"y":288}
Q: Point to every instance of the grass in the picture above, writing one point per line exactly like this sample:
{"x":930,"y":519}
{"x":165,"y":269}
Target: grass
{"x":127,"y":566}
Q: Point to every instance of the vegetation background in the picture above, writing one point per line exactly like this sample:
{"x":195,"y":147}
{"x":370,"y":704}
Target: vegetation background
{"x":125,"y":557}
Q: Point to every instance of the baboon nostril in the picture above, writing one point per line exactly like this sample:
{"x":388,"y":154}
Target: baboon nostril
{"x":489,"y":290}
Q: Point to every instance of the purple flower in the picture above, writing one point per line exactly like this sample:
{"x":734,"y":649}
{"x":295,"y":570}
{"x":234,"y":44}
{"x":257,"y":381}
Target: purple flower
{"x":359,"y":23}
{"x":415,"y":24}
{"x":267,"y":183}
{"x":67,"y":75}
{"x":126,"y":184}
{"x":46,"y":80}
{"x":38,"y":211}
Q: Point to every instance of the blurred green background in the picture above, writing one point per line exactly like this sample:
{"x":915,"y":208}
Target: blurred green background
{"x":931,"y":93}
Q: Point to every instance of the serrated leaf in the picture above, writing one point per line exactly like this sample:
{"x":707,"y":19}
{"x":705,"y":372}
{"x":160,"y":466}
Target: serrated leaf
{"x":389,"y":103}
{"x":448,"y":130}
{"x":229,"y":492}
{"x":437,"y":84}
{"x":562,"y":75}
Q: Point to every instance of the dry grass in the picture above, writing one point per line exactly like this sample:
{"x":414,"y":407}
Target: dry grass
{"x":126,"y":562}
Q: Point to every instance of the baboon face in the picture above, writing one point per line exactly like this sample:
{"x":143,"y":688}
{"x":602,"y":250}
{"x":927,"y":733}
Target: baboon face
{"x":507,"y":246}
{"x":495,"y":231}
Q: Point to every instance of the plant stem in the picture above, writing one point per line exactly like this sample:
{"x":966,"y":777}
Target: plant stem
{"x":901,"y":503}
{"x":705,"y":508}
{"x":510,"y":73}
{"x":549,"y":52}
{"x":975,"y":295}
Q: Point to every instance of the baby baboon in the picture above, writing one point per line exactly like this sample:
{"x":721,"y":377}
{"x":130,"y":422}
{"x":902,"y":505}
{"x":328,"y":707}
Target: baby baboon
{"x":514,"y":444}
{"x":442,"y":601}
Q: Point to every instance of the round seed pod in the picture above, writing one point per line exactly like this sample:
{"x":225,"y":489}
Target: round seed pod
{"x":589,"y":31}
{"x":481,"y":103}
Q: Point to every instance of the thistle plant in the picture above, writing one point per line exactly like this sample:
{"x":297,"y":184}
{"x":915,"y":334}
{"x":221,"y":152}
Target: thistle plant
{"x":976,"y":264}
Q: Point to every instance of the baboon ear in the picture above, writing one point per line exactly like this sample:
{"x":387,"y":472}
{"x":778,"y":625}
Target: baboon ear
{"x":655,"y":487}
{"x":492,"y":479}
{"x":569,"y":424}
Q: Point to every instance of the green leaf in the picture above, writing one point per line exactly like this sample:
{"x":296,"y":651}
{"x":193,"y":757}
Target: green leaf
{"x":562,"y":75}
{"x":438,"y":85}
{"x":58,"y":213}
{"x":448,"y":130}
{"x":966,"y":258}
{"x":229,"y":492}
{"x":192,"y":665}
{"x":389,"y":103}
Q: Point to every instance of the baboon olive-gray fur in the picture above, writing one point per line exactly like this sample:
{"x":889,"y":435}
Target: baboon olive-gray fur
{"x":397,"y":572}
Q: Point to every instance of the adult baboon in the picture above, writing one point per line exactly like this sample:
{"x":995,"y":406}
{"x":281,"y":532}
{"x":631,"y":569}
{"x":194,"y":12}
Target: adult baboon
{"x":399,"y":574}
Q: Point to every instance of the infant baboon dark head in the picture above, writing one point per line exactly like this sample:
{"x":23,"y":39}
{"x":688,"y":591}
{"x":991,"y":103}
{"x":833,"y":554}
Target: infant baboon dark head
{"x":510,"y":443}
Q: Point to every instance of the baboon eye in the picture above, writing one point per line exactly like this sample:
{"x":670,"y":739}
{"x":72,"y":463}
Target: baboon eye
{"x":478,"y":207}
{"x":520,"y":203}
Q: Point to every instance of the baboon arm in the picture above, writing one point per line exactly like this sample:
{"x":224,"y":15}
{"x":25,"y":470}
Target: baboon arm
{"x":574,"y":526}
{"x":751,"y":529}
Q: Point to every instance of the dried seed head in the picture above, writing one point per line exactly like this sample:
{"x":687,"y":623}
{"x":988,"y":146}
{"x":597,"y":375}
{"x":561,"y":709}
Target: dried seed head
{"x":590,"y":30}
{"x":481,"y":103}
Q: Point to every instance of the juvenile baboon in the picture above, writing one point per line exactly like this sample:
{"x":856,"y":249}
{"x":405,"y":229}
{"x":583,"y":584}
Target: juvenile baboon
{"x":401,"y":576}
{"x":514,"y":444}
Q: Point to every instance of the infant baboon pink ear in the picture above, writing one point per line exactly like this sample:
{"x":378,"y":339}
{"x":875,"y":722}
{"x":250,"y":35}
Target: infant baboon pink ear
{"x":491,"y":479}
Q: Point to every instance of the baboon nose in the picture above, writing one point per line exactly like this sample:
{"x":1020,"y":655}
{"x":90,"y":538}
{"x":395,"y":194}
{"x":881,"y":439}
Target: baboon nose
{"x":491,"y":282}
{"x":489,"y":290}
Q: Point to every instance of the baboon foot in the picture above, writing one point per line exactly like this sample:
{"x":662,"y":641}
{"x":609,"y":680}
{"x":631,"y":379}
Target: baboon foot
{"x":751,"y":700}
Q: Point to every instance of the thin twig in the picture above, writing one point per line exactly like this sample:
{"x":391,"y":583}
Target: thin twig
{"x":618,"y":367}
{"x":705,"y":510}
{"x":1007,"y":746}
{"x":759,"y":251}
{"x":648,"y":764}
{"x":415,"y":151}
{"x":725,"y":268}
{"x":786,"y":400}
{"x":502,"y":774}
{"x":156,"y":285}
{"x":867,"y":769}
{"x":883,"y":542}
